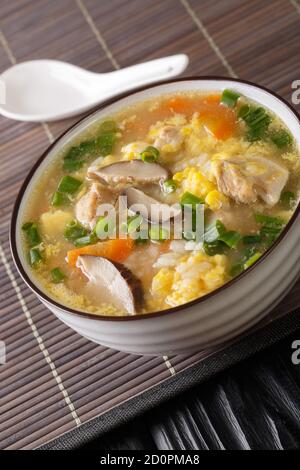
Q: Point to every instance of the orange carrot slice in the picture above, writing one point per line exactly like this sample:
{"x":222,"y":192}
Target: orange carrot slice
{"x":187,"y":104}
{"x":218,"y":119}
{"x":215,"y":98}
{"x":115,"y":250}
{"x":180,"y":105}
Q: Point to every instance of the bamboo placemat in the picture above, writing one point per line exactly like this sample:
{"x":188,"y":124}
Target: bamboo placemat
{"x":54,"y":380}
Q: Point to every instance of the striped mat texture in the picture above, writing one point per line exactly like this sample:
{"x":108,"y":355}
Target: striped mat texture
{"x":54,"y":380}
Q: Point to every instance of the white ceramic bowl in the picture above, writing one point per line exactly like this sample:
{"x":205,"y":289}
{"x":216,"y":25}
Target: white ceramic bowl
{"x":202,"y":323}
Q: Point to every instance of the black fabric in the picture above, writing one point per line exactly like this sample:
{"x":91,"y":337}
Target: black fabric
{"x":179,"y":383}
{"x":252,"y":405}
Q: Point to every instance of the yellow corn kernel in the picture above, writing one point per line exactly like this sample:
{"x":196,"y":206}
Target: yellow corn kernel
{"x":214,"y":278}
{"x":162,"y":282}
{"x":186,"y":131}
{"x":194,"y":181}
{"x":168,"y":148}
{"x":215,"y":200}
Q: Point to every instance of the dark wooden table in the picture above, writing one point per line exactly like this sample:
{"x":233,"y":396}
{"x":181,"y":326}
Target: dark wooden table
{"x":54,"y":380}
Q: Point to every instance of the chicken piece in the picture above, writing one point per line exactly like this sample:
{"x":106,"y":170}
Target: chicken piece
{"x":86,"y":207}
{"x":169,"y":139}
{"x":244,"y":180}
{"x":233,"y":183}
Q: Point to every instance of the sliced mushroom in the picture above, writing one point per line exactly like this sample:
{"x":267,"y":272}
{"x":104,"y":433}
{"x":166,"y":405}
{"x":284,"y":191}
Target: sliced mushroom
{"x":125,"y":289}
{"x":129,"y":172}
{"x":169,"y":139}
{"x":86,"y":207}
{"x":148,"y":207}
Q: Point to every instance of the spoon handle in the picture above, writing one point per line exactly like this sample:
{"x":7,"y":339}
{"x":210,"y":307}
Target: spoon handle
{"x":147,"y":72}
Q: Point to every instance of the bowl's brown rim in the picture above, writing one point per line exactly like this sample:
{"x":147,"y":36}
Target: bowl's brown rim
{"x":199,"y":301}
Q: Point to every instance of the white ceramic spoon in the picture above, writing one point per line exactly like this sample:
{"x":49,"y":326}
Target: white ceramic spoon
{"x":48,"y":90}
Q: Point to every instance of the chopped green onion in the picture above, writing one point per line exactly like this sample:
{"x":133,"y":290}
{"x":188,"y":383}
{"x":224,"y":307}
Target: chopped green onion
{"x":271,"y":227}
{"x":169,"y":186}
{"x":288,"y":199}
{"x":85,"y":240}
{"x":189,"y":235}
{"x":26,"y":226}
{"x":35,"y":256}
{"x":78,"y":235}
{"x":136,"y":229}
{"x":270,"y":230}
{"x":248,"y":252}
{"x":251,"y":239}
{"x":141,"y":241}
{"x":269,"y":234}
{"x":256,"y":116}
{"x":72,"y":153}
{"x":236,"y":269}
{"x":88,"y":147}
{"x":252,"y":260}
{"x":74,"y":231}
{"x":76,"y":157}
{"x":269,"y":221}
{"x":57,"y":275}
{"x":231,"y":238}
{"x":253,"y":135}
{"x":190,"y":199}
{"x":32,"y":233}
{"x":190,"y":204}
{"x":108,"y":127}
{"x":73,"y":165}
{"x":59,"y":199}
{"x":68,"y":185}
{"x":214,"y":248}
{"x":244,"y":111}
{"x":33,"y":239}
{"x":250,"y":256}
{"x":257,"y":120}
{"x":105,"y":227}
{"x":105,"y":143}
{"x":214,"y":231}
{"x":239,"y":267}
{"x":150,"y":154}
{"x":143,"y":235}
{"x":101,"y":226}
{"x":134,"y":223}
{"x":158,"y":233}
{"x":281,"y":138}
{"x":229,"y":98}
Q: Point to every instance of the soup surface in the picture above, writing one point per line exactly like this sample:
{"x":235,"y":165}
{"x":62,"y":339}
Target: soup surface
{"x":207,"y":183}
